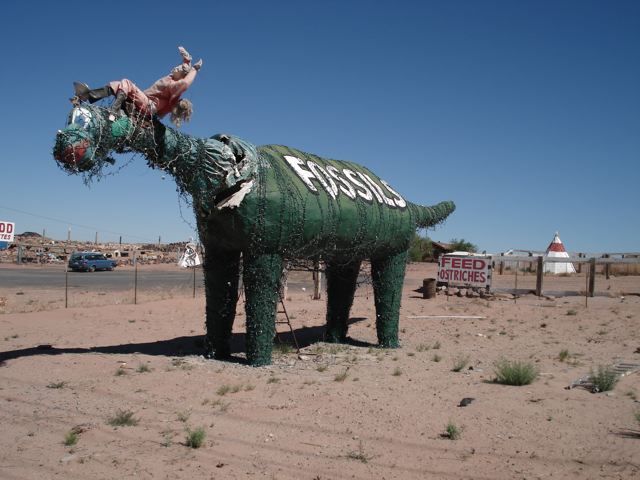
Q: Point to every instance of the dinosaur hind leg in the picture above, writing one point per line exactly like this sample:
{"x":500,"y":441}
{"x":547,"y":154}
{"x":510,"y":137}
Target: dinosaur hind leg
{"x":341,"y":286}
{"x":221,"y":282}
{"x":261,"y":275}
{"x":388,"y":276}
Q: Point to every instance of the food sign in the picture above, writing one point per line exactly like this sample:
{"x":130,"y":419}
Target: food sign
{"x":468,"y":271}
{"x":6,"y":231}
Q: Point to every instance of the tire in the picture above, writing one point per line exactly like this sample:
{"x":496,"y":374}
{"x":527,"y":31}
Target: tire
{"x":92,"y":268}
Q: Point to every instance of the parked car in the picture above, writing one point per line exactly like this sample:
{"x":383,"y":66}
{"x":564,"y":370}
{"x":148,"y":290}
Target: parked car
{"x":90,"y":262}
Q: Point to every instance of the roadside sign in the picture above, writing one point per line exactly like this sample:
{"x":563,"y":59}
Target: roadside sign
{"x":6,"y":231}
{"x":190,"y":257}
{"x":467,"y":270}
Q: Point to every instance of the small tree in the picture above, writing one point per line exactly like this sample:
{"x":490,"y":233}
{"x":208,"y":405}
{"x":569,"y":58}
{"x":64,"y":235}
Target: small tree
{"x":462,"y":246}
{"x":420,"y":249}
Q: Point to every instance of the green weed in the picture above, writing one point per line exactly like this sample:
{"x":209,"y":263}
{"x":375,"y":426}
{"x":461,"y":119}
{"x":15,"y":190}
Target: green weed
{"x":515,"y":373}
{"x":70,"y":439}
{"x":57,"y":385}
{"x":341,"y":377}
{"x":460,"y":363}
{"x":604,"y":379}
{"x":452,"y":432}
{"x":143,"y":368}
{"x":195,"y":437}
{"x":123,"y":418}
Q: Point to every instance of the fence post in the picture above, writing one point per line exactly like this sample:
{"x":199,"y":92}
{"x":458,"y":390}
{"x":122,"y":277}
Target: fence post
{"x":317,"y":281}
{"x":539,"y":272}
{"x":592,"y":277}
{"x":194,"y":280}
{"x":66,"y":285}
{"x":579,"y":264}
{"x":515,"y":296}
{"x":606,"y":267}
{"x":135,"y":278}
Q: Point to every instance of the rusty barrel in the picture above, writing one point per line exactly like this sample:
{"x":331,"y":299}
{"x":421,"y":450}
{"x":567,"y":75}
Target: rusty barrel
{"x":429,"y":288}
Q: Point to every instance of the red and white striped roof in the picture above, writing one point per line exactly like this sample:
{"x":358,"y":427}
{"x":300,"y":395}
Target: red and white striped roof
{"x":556,"y":245}
{"x":556,"y":249}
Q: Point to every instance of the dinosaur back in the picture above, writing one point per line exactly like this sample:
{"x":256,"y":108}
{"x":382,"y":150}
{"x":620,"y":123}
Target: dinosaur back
{"x":305,"y":206}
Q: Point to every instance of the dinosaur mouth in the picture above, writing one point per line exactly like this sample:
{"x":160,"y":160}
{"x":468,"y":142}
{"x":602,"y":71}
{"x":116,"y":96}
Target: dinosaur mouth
{"x":73,"y":157}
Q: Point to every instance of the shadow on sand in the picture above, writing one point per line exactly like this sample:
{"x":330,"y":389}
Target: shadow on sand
{"x":182,"y":346}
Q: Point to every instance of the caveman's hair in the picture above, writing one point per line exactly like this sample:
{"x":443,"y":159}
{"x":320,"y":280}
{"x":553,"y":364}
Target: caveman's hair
{"x":181,"y":112}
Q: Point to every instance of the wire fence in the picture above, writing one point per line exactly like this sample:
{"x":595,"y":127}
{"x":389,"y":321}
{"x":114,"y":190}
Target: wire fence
{"x":39,"y":287}
{"x":47,"y":287}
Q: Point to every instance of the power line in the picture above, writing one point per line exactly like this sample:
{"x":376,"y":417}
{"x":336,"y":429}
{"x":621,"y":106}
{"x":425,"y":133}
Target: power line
{"x":65,"y":222}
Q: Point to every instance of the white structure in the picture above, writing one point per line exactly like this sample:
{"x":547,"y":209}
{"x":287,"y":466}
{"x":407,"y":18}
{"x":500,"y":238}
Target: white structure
{"x":556,"y":250}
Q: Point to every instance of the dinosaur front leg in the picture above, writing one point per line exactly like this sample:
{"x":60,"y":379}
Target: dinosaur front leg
{"x":341,"y":286}
{"x":221,"y":275}
{"x":261,"y":275}
{"x":388,"y":276}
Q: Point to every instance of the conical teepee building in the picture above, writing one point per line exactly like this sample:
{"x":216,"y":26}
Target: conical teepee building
{"x":556,"y":250}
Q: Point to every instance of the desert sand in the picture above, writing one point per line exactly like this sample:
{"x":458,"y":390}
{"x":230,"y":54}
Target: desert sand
{"x":331,"y":411}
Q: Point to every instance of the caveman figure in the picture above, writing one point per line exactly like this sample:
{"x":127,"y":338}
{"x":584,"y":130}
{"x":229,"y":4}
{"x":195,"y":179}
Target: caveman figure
{"x":163,"y":97}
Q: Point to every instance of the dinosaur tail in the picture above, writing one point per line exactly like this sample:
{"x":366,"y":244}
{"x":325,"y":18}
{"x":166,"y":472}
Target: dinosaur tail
{"x":433,"y":215}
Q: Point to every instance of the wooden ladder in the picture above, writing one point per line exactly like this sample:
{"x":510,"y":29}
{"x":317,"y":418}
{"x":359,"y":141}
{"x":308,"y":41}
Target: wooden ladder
{"x":285,"y":320}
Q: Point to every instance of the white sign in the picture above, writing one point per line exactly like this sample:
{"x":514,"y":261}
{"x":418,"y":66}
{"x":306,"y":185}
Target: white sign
{"x":190,"y":257}
{"x":468,"y":271}
{"x":6,"y":231}
{"x":351,"y":183}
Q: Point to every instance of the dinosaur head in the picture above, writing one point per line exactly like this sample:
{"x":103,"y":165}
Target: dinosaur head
{"x":84,"y":145}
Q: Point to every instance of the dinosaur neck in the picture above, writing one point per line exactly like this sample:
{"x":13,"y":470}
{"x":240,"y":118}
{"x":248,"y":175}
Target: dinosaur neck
{"x":192,"y":161}
{"x":166,"y":149}
{"x":203,"y":168}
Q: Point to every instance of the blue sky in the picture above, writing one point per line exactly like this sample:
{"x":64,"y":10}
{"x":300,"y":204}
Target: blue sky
{"x":526,"y":114}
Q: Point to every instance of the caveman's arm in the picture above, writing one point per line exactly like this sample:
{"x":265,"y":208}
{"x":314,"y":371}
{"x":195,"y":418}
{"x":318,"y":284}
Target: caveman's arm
{"x":183,"y":84}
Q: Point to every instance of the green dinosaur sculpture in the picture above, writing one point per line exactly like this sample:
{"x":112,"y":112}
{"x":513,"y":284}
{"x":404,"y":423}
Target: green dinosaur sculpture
{"x":267,"y":204}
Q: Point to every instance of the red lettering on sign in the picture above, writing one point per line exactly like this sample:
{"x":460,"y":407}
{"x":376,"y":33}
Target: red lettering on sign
{"x":464,"y":270}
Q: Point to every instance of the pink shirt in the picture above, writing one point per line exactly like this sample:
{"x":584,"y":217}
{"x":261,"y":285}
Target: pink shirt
{"x":165,"y":93}
{"x":159,"y":98}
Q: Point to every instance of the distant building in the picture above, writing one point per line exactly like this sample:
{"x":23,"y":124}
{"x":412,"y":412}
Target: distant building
{"x":440,"y":248}
{"x":556,"y":250}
